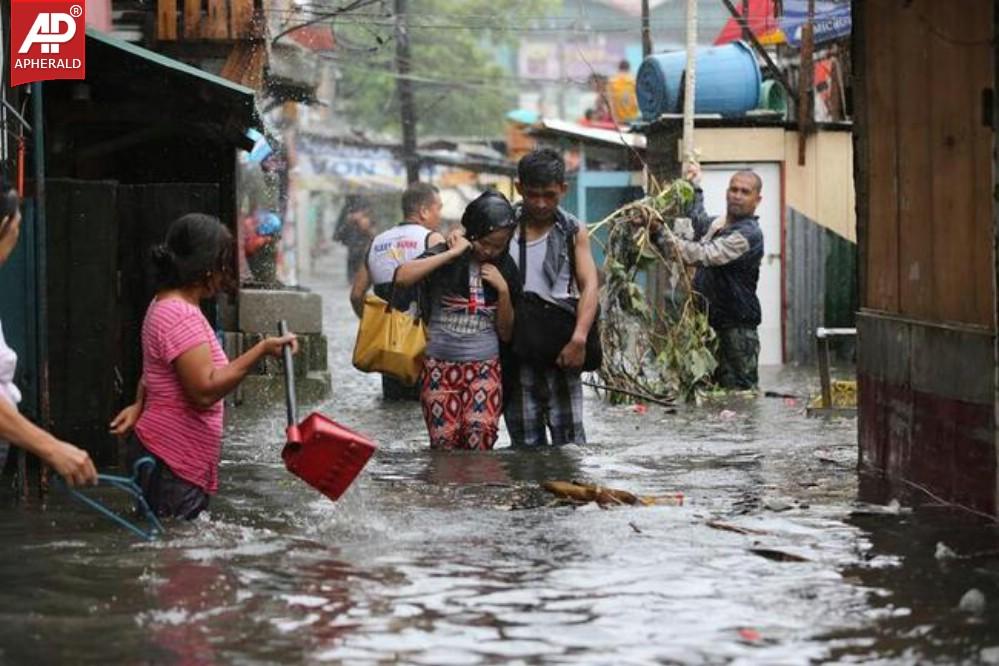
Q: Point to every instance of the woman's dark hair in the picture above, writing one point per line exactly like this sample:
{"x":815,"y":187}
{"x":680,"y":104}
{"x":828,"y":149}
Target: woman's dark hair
{"x":487,"y":213}
{"x":196,"y":246}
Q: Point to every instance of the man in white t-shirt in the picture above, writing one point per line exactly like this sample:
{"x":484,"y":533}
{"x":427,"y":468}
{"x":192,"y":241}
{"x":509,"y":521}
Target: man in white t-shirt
{"x":421,"y":218}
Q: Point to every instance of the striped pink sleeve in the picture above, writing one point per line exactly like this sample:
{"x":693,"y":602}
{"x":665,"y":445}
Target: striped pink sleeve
{"x":179,"y":332}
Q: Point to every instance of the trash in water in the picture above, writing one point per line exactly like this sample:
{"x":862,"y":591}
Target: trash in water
{"x":728,"y":527}
{"x":750,"y":635}
{"x":893,"y":508}
{"x":778,"y":555}
{"x":776,"y":504}
{"x":973,"y":602}
{"x":583,"y":493}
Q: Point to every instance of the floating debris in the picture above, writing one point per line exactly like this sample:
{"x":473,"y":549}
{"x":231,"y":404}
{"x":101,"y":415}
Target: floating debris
{"x":728,"y":527}
{"x":641,"y":353}
{"x":972,"y":602}
{"x":778,"y":555}
{"x":584,"y":493}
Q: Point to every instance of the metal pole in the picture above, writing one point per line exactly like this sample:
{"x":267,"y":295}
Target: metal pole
{"x":690,"y":79}
{"x":41,"y":263}
{"x":825,"y":381}
{"x":404,"y":88}
{"x":289,"y":377}
{"x":646,"y":30}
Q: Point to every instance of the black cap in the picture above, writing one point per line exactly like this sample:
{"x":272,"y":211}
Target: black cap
{"x":487,"y":213}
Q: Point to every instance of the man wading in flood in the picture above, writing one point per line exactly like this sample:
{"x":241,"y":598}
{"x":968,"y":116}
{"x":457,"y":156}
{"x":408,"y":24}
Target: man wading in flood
{"x":421,"y":217}
{"x":558,"y":267}
{"x":728,"y":252}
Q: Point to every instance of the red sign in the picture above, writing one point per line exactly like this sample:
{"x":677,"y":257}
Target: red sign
{"x":48,"y":40}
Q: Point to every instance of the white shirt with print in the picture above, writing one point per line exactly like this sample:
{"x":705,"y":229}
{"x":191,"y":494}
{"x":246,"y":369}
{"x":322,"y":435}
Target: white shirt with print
{"x":8,"y":365}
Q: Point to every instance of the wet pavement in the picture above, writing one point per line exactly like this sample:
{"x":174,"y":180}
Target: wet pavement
{"x":458,"y":558}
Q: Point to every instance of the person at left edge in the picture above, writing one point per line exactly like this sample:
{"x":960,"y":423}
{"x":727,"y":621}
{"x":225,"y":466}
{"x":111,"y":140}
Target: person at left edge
{"x":69,"y":461}
{"x":177,"y":414}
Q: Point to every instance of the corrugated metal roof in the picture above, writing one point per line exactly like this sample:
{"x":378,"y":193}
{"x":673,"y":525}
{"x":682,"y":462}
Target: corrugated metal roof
{"x":588,"y":134}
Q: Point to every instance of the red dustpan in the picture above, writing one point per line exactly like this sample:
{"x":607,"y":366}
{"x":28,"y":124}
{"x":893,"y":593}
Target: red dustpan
{"x":320,"y":451}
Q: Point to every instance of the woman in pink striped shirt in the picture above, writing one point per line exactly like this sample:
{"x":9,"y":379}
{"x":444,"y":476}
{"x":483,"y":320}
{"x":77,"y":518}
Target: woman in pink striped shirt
{"x":177,"y":414}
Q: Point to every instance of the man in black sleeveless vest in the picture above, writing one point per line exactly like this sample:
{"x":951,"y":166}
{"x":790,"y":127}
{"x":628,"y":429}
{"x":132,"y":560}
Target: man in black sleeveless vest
{"x":728,"y":252}
{"x":556,"y":264}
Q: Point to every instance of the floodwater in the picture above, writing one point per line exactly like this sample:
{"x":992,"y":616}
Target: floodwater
{"x":438,"y":558}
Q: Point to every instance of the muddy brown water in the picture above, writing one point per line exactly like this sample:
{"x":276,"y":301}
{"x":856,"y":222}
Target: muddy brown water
{"x":450,"y":558}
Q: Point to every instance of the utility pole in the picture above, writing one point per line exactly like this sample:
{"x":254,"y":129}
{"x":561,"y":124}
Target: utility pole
{"x":404,"y":89}
{"x":805,"y":82}
{"x":646,"y":31}
{"x":690,"y":79}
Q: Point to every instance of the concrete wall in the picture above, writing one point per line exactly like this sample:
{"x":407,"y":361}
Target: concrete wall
{"x":259,"y":312}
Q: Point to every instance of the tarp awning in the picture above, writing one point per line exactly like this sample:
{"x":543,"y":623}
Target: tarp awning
{"x":585,"y":134}
{"x":147,"y":73}
{"x":762,"y":23}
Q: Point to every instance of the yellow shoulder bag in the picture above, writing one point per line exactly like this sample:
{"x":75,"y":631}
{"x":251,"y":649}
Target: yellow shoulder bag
{"x":389,"y":341}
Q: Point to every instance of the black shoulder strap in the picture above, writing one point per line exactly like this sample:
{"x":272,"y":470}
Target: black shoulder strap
{"x":522,"y":242}
{"x":572,"y":261}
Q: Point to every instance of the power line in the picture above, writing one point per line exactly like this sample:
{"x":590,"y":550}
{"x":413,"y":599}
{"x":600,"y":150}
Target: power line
{"x":498,"y":84}
{"x":387,"y":23}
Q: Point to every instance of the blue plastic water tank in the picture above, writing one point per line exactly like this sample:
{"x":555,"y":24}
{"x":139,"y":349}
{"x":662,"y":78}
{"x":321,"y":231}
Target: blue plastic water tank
{"x":728,"y":81}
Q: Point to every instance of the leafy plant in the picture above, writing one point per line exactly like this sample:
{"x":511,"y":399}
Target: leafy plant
{"x":666,"y":350}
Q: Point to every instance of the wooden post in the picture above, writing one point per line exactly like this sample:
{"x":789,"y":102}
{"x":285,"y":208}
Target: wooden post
{"x":240,"y":18}
{"x":166,"y":20}
{"x":192,"y":19}
{"x":218,"y":20}
{"x":825,"y":380}
{"x":404,"y":89}
{"x":690,"y":79}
